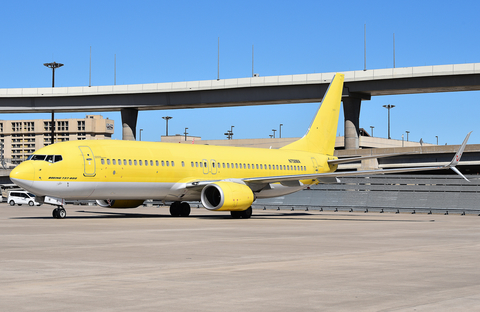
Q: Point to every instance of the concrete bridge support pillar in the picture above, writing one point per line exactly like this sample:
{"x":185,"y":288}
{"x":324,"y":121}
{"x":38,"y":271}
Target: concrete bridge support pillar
{"x":351,"y":111}
{"x":129,"y":123}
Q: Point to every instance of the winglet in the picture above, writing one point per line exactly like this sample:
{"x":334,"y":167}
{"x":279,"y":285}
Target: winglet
{"x":458,"y":156}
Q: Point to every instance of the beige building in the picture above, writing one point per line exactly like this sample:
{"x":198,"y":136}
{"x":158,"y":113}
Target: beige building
{"x":20,"y":138}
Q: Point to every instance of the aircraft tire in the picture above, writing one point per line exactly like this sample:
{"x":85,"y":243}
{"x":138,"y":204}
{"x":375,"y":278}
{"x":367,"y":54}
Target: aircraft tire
{"x":12,"y":203}
{"x":184,"y":209}
{"x":246,"y":214}
{"x":175,"y":209}
{"x":62,"y":213}
{"x":236,"y":214}
{"x":55,"y":213}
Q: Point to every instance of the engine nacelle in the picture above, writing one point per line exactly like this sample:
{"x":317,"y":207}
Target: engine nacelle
{"x":107,"y":203}
{"x":227,"y":196}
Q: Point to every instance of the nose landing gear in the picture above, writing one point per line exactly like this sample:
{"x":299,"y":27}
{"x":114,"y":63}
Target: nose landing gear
{"x":59,"y":213}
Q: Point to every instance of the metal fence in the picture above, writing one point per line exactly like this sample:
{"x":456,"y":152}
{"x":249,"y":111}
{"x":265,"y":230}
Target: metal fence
{"x":397,"y":193}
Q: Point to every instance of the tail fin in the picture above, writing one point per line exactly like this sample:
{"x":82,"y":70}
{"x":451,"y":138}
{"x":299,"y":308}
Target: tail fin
{"x":321,"y":135}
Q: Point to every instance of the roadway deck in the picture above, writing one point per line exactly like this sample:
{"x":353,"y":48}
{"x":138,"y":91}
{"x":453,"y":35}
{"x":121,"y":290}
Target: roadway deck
{"x":144,"y":260}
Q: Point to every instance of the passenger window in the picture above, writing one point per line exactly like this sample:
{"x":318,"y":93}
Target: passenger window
{"x":156,"y":163}
{"x":151,"y":163}
{"x":146,"y":162}
{"x":196,"y":164}
{"x":228,"y":165}
{"x":124,"y":162}
{"x":130,"y":162}
{"x":120,"y":162}
{"x":261,"y":167}
{"x":135,"y":162}
{"x":168,"y":163}
{"x":108,"y":161}
{"x":223,"y":165}
{"x":183,"y":163}
{"x":114,"y":161}
{"x":248,"y":166}
{"x":140,"y":162}
{"x":277,"y":167}
{"x":173,"y":163}
{"x":103,"y":161}
{"x":213,"y":165}
{"x":192,"y":164}
{"x":236,"y":166}
{"x":269,"y":167}
{"x":201,"y":165}
{"x":163,"y":163}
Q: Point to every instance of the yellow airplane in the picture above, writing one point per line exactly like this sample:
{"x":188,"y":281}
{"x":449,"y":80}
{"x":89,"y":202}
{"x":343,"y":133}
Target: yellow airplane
{"x":123,"y":174}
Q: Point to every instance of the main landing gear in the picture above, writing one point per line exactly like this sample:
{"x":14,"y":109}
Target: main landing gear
{"x":246,"y":214}
{"x":180,"y":209}
{"x":59,"y":213}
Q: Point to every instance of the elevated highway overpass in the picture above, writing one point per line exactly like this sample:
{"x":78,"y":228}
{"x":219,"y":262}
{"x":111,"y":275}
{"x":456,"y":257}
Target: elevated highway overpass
{"x":305,"y":88}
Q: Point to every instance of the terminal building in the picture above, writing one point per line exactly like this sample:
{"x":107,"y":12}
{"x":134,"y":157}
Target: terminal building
{"x":20,"y":138}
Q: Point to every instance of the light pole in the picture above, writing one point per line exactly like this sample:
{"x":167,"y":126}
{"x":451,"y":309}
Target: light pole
{"x":274,"y":132}
{"x":437,"y":138}
{"x":371,"y":127}
{"x":389,"y":107}
{"x":407,"y":134}
{"x":185,"y":133}
{"x":141,"y":134}
{"x":53,"y":66}
{"x":280,"y":131}
{"x":167,"y":118}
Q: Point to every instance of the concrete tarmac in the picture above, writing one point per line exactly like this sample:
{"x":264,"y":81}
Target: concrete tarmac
{"x":144,"y":260}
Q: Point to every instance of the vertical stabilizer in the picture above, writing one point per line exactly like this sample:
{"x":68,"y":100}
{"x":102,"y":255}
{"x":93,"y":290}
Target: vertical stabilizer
{"x":320,"y":137}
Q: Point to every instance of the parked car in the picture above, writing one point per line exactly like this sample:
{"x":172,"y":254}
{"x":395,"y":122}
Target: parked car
{"x":21,"y":197}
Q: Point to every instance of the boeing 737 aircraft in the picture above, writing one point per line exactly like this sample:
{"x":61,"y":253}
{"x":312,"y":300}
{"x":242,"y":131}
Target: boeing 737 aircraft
{"x":123,"y":174}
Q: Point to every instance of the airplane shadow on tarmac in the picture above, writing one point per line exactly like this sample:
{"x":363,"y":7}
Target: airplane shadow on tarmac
{"x":277,"y":216}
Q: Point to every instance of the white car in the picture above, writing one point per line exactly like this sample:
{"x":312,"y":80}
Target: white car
{"x":20,"y":198}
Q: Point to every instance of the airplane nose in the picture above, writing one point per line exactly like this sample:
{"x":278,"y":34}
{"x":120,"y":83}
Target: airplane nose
{"x":23,"y":174}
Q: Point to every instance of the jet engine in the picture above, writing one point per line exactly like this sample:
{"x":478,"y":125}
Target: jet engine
{"x":227,"y":196}
{"x":107,"y":203}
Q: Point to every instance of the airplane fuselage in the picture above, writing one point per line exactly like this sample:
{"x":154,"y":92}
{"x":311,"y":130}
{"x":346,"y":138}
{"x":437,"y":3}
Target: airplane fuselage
{"x":149,"y":170}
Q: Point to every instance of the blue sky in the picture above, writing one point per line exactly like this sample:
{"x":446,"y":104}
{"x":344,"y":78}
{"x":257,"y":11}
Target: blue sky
{"x":168,"y":41}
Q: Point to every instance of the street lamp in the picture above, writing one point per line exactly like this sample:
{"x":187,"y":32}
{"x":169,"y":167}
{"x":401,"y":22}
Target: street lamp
{"x":280,"y":131}
{"x":274,"y":133}
{"x":389,"y":107}
{"x":53,"y":66}
{"x":371,"y":127}
{"x":437,"y":138}
{"x":407,"y":134}
{"x":167,"y":118}
{"x":185,"y":133}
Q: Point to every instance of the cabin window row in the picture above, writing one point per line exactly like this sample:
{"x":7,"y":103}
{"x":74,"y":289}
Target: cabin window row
{"x":140,"y":162}
{"x":248,"y":166}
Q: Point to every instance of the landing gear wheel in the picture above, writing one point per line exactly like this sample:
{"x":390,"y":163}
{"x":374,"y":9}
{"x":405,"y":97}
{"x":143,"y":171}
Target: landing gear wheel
{"x":175,"y":209}
{"x":59,"y":213}
{"x":184,"y":210}
{"x":62,"y":213}
{"x":246,"y":214}
{"x":236,"y":214}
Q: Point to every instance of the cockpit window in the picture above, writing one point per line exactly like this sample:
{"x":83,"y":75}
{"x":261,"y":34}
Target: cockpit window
{"x":49,"y":158}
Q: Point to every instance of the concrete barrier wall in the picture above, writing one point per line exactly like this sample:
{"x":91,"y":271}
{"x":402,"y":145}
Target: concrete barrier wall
{"x":398,"y":193}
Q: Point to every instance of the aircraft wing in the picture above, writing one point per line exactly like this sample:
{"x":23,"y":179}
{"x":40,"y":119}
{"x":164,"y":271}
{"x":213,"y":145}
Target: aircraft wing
{"x":332,"y":177}
{"x":328,"y":177}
